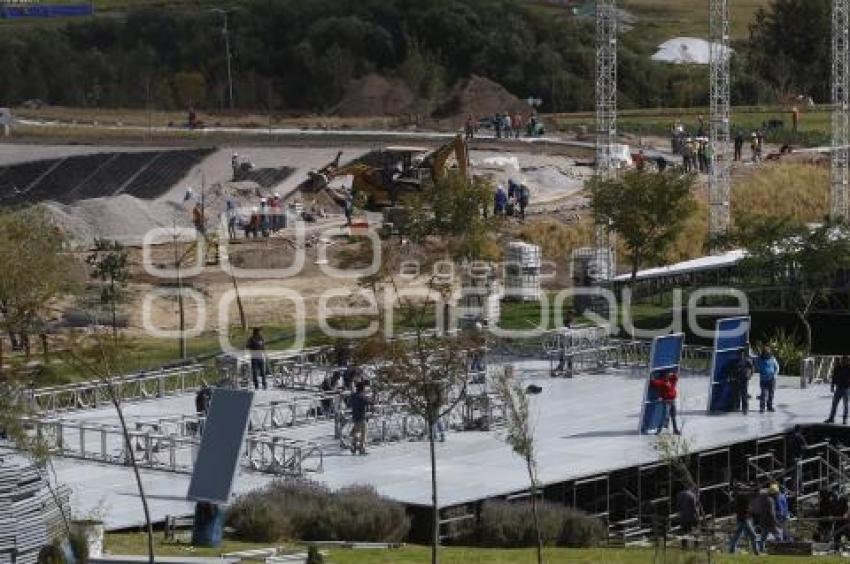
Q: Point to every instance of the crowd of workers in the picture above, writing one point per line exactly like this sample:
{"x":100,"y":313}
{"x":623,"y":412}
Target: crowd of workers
{"x":505,"y":126}
{"x":513,"y":202}
{"x":696,"y":152}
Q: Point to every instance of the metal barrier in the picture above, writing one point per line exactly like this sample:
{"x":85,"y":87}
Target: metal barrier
{"x":817,"y":370}
{"x":157,"y":450}
{"x":304,"y":369}
{"x":133,"y":387}
{"x":290,"y":412}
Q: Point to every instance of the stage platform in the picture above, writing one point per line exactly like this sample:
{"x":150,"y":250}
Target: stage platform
{"x":584,"y":427}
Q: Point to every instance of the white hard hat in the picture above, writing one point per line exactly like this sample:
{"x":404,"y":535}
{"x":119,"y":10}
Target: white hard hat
{"x":235,"y":154}
{"x":262,"y":200}
{"x":277,"y":194}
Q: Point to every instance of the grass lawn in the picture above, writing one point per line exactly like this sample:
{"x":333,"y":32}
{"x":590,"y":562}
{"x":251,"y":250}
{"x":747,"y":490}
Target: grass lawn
{"x":814,"y":126}
{"x":667,"y":19}
{"x":134,"y":543}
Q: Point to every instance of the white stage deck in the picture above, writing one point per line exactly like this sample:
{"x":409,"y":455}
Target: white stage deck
{"x":584,"y":426}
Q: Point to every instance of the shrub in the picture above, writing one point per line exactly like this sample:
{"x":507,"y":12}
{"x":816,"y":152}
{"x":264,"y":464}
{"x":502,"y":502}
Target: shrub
{"x":511,"y":525}
{"x":580,"y":530}
{"x":256,"y":521}
{"x":308,"y":511}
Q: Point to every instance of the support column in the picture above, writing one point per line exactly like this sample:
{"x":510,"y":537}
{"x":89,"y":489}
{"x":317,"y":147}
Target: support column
{"x":719,"y":133}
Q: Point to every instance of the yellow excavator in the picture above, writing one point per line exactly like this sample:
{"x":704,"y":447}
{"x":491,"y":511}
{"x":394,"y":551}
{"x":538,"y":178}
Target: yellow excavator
{"x":405,"y":171}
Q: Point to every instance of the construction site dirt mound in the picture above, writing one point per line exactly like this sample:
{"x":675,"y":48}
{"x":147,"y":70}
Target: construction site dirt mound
{"x":375,"y":95}
{"x":478,"y":96}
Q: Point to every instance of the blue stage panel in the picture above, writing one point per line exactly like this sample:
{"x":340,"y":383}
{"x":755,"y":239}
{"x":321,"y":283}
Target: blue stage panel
{"x":665,"y":356}
{"x":731,"y":335}
{"x":221,"y":446}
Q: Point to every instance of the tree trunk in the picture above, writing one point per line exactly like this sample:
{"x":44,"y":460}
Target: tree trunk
{"x":635,"y":266}
{"x":531,"y":477}
{"x":182,"y":314}
{"x":435,"y":534}
{"x":45,"y":348}
{"x":128,"y":444}
{"x":114,"y":313}
{"x":241,"y":309}
{"x":807,"y":326}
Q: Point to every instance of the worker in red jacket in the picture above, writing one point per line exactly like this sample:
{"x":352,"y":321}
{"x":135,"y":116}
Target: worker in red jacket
{"x":665,"y":387}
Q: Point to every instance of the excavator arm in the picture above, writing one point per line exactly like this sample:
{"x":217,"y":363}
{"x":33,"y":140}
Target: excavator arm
{"x":437,"y":160}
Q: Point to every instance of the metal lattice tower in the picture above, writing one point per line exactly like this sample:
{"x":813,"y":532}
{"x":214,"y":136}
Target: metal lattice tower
{"x":719,"y":178}
{"x":839,"y":176}
{"x":606,"y":110}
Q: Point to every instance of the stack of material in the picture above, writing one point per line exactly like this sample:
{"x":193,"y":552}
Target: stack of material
{"x":479,"y":297}
{"x":522,"y":272}
{"x":29,"y":515}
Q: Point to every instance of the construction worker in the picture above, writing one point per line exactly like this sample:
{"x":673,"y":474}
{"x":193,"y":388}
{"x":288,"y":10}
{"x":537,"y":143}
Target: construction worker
{"x":234,"y":164}
{"x":795,"y":117}
{"x":840,"y":387}
{"x":783,"y":513}
{"x":768,"y":368}
{"x":198,"y":218}
{"x":764,"y":515}
{"x":500,"y":200}
{"x":524,"y":197}
{"x":739,"y":145}
{"x":517,"y":123}
{"x":744,"y":523}
{"x":230,"y":216}
{"x":349,"y":210}
{"x":740,"y":371}
{"x":469,"y":128}
{"x":257,"y":346}
{"x":665,"y":387}
{"x":690,"y":511}
{"x":359,"y":405}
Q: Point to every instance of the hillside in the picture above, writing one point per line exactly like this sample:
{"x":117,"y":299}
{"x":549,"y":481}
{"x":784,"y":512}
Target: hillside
{"x":664,"y":19}
{"x":170,"y":56}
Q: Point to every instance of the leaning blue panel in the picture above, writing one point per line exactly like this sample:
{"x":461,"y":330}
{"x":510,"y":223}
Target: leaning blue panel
{"x":731,"y":336}
{"x":221,"y":446}
{"x":665,"y":356}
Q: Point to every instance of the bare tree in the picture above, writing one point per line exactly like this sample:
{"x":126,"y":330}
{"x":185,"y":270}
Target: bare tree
{"x":676,"y":451}
{"x":520,"y":437}
{"x":104,"y":359}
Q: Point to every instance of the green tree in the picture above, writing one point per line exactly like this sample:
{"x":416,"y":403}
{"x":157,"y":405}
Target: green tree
{"x":803,"y":262}
{"x":455,"y":209}
{"x":109,"y":263}
{"x":646,"y":210}
{"x":34,"y":271}
{"x":191,"y":88}
{"x":790,"y":47}
{"x":520,"y":437}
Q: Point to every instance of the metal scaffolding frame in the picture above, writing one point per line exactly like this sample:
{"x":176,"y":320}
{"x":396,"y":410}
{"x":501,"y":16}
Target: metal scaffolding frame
{"x":839,"y":174}
{"x":719,"y":181}
{"x":130,"y":388}
{"x":606,"y":111}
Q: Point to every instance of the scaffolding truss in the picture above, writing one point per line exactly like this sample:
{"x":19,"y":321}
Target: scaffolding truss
{"x":719,"y":174}
{"x":839,"y":174}
{"x":606,"y":112}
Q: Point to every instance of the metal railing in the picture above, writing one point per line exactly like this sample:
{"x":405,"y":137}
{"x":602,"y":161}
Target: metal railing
{"x":817,"y":370}
{"x":133,"y":387}
{"x":159,"y":450}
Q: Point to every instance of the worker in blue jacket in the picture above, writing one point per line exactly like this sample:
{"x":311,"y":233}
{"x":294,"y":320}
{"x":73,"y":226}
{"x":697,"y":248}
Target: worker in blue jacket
{"x":768,"y":369}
